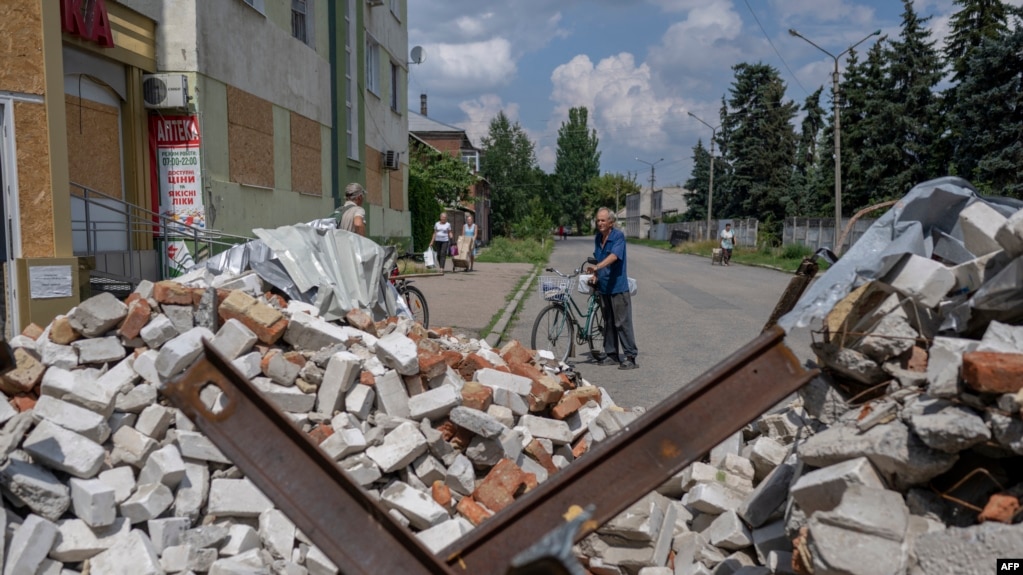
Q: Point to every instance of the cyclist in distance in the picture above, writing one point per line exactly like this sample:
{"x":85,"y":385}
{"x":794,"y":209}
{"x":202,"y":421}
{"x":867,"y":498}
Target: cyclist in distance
{"x":612,"y":282}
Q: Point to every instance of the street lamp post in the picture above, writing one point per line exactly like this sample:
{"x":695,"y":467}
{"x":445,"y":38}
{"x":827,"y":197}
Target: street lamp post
{"x":710,"y":187}
{"x":651,"y":164}
{"x":838,"y":125}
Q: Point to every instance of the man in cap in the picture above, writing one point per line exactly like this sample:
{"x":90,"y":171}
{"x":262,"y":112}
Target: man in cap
{"x":351,"y":216}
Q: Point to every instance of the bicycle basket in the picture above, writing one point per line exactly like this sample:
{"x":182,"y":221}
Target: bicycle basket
{"x":553,"y":288}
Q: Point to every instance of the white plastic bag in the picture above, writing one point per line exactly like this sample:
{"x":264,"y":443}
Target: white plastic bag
{"x":633,"y":287}
{"x":584,"y":283}
{"x":430,"y":258}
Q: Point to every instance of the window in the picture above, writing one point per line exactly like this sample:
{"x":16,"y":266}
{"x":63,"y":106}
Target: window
{"x":372,"y":66}
{"x":396,"y":8}
{"x":472,"y":157}
{"x":351,"y":87}
{"x":301,"y":21}
{"x":257,"y":5}
{"x":395,"y":87}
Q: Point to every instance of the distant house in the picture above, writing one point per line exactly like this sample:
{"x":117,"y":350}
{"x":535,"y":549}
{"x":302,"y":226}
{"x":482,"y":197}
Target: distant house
{"x":647,"y":208}
{"x":454,"y":141}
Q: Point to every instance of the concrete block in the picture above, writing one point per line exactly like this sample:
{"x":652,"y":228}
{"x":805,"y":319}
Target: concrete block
{"x":980,"y":223}
{"x":391,"y":396}
{"x":443,"y":534}
{"x":476,"y":421}
{"x":317,"y":563}
{"x":921,"y":279}
{"x":136,"y":399}
{"x":731,"y":445}
{"x":641,"y":522}
{"x":233,"y":339}
{"x":822,"y":489}
{"x":194,"y":445}
{"x":516,"y":403}
{"x":277,"y":533}
{"x":236,"y":498}
{"x":400,"y":448}
{"x":729,"y":532}
{"x":145,"y":367}
{"x":75,"y":542}
{"x":889,"y":338}
{"x":181,"y":316}
{"x":838,"y":550}
{"x":29,"y":545}
{"x":99,"y":350}
{"x":163,"y":466}
{"x":944,"y":360}
{"x":1009,"y":235}
{"x":84,"y":422}
{"x":93,"y":501}
{"x":312,"y":333}
{"x":148,"y":502}
{"x":59,"y":448}
{"x":714,"y":498}
{"x":871,"y":511}
{"x":434,"y":403}
{"x":56,"y":355}
{"x":193,"y":491}
{"x":771,"y":538}
{"x":944,"y":426}
{"x":121,"y":480}
{"x":340,"y":376}
{"x":154,"y":421}
{"x":248,"y":364}
{"x":344,"y":442}
{"x":420,"y":509}
{"x":97,"y":315}
{"x":132,"y":447}
{"x":768,"y":496}
{"x":362,"y":469}
{"x":167,"y":532}
{"x":158,"y":331}
{"x":290,"y":399}
{"x":460,"y":476}
{"x":972,"y":274}
{"x":74,"y":387}
{"x":398,"y":352}
{"x":495,"y":379}
{"x":765,"y":454}
{"x":181,"y":352}
{"x":134,"y":550}
{"x":738,"y":465}
{"x":502,"y":414}
{"x":359,"y":401}
{"x":240,"y":538}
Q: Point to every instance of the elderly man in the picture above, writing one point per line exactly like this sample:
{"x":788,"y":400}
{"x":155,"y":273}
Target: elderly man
{"x":351,"y":216}
{"x":612,"y":281}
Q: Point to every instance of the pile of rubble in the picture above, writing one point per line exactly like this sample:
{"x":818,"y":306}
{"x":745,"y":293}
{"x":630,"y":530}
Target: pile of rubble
{"x":99,"y":474}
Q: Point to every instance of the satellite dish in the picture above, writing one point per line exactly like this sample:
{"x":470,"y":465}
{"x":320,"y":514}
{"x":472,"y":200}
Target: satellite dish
{"x":418,"y":55}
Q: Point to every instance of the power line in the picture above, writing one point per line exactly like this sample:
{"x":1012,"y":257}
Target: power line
{"x":784,"y":63}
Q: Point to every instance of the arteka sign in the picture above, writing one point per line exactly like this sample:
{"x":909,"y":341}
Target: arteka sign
{"x":87,"y":19}
{"x":174,"y":147}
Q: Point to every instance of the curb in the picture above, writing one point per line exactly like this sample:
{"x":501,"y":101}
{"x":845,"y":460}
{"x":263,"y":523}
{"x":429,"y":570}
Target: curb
{"x":497,"y":332}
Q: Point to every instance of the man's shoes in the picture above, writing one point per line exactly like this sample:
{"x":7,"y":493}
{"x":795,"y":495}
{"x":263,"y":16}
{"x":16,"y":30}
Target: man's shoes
{"x":607,"y":360}
{"x":629,"y":363}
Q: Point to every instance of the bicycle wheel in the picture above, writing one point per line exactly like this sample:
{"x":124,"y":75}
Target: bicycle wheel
{"x":417,"y":303}
{"x":553,"y":330}
{"x":596,"y":335}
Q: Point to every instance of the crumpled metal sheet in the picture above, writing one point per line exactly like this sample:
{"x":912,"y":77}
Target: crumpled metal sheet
{"x":926,"y":216}
{"x":333,"y":269}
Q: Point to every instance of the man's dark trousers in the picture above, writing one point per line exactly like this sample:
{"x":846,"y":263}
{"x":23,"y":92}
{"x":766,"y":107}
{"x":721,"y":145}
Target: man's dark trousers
{"x":617,"y":309}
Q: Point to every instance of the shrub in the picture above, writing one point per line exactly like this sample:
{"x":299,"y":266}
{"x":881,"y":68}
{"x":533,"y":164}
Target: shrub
{"x":795,"y":251}
{"x":506,"y":250}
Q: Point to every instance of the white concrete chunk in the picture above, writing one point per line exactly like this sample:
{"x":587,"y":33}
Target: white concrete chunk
{"x":249,"y":364}
{"x":312,"y":333}
{"x":444,"y":533}
{"x":236,"y":498}
{"x":192,"y":491}
{"x":434,"y":403}
{"x":495,"y":379}
{"x":240,"y":538}
{"x":75,"y":542}
{"x":195,"y":445}
{"x":822,"y":489}
{"x":344,"y":442}
{"x":290,"y":399}
{"x":56,"y":355}
{"x":342,"y":372}
{"x":132,"y":447}
{"x":75,"y":388}
{"x":148,"y":502}
{"x":99,"y":350}
{"x":163,"y":466}
{"x":145,"y":367}
{"x":399,"y":353}
{"x":553,"y":429}
{"x":359,"y":401}
{"x":29,"y":546}
{"x":476,"y":421}
{"x":59,"y":448}
{"x":94,"y":501}
{"x":154,"y":421}
{"x":420,"y":509}
{"x":729,"y":532}
{"x":513,"y":401}
{"x":391,"y":396}
{"x":97,"y":315}
{"x":460,"y":477}
{"x":400,"y":448}
{"x":233,"y":339}
{"x":361,"y":468}
{"x":167,"y":532}
{"x":318,"y":564}
{"x":180,"y":352}
{"x":980,"y":223}
{"x":136,"y":399}
{"x":277,"y":533}
{"x":75,"y":418}
{"x":134,"y":550}
{"x":158,"y":331}
{"x":713,"y":498}
{"x":921,"y":279}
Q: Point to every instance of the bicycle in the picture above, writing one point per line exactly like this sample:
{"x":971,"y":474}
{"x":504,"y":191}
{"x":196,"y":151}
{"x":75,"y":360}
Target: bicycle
{"x":414,"y":298}
{"x":562,"y":324}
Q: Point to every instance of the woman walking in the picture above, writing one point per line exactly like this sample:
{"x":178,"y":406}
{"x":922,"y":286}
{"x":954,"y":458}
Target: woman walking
{"x":469,"y":231}
{"x":441,"y":239}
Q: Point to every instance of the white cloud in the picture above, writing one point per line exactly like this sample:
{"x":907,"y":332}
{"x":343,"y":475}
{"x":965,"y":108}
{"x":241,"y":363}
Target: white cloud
{"x":480,"y":111}
{"x":472,"y":66}
{"x":823,"y":11}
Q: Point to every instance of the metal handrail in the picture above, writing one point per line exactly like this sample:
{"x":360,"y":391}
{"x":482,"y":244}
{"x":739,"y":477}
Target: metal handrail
{"x":138,"y":220}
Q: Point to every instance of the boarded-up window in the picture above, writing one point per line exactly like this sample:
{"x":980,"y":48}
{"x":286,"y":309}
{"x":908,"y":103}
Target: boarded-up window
{"x":305,"y":155}
{"x":250,"y":138}
{"x":397,"y":196}
{"x":94,"y":145}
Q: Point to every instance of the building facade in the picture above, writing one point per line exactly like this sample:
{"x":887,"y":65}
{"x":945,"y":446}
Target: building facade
{"x":219,"y":116}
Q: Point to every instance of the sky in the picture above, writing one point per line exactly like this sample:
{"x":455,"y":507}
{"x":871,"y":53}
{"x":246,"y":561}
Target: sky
{"x":639,"y":66}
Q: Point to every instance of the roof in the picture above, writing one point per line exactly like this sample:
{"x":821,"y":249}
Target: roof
{"x":420,"y":124}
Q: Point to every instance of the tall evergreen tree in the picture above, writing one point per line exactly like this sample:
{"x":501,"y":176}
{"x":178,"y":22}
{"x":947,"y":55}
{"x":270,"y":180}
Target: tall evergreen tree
{"x":974,"y":22}
{"x":761,"y":146}
{"x":989,"y":113}
{"x":698,"y":184}
{"x":807,"y":193}
{"x":508,"y":161}
{"x":577,"y":164}
{"x":867,"y":129}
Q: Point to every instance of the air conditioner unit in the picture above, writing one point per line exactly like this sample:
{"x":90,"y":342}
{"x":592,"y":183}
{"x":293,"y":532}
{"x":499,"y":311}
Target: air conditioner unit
{"x":165,"y":90}
{"x":389,"y":159}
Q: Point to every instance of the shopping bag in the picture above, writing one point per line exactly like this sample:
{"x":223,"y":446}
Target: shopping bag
{"x":430,"y":258}
{"x":453,"y":250}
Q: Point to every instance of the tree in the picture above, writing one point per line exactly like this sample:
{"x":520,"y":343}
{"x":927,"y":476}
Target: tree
{"x":989,"y":114}
{"x":508,"y":163}
{"x":576,"y":165}
{"x":976,"y":21}
{"x":698,"y":184}
{"x":761,"y":146}
{"x":608,"y":191}
{"x":808,"y":191}
{"x":866,"y":121}
{"x":450,"y":178}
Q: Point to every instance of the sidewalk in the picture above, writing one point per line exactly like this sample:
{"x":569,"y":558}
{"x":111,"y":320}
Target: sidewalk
{"x":467,"y":301}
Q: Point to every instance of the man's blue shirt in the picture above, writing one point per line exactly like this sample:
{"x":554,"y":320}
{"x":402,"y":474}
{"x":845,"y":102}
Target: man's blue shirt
{"x":614,"y":278}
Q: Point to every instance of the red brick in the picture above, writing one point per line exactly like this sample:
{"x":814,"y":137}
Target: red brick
{"x":431,"y":365}
{"x":917,"y":360}
{"x":254,"y":315}
{"x":544,"y":392}
{"x":27,"y":373}
{"x":447,"y":429}
{"x":321,"y":432}
{"x":799,"y":562}
{"x":993,"y":372}
{"x":23,"y":402}
{"x":295,"y":357}
{"x":138,"y":316}
{"x":470,"y":364}
{"x":525,"y":370}
{"x":566,"y":382}
{"x":61,"y":331}
{"x":171,"y":292}
{"x":580,"y":447}
{"x":499,"y":488}
{"x":472,"y":511}
{"x":535,"y":450}
{"x":515,"y":352}
{"x":1000,"y":507}
{"x":429,"y":346}
{"x":443,"y":331}
{"x":452,"y":358}
{"x":441,"y":493}
{"x":567,"y":406}
{"x":476,"y":395}
{"x":276,"y":300}
{"x":132,"y":298}
{"x":360,"y":319}
{"x":32,"y":330}
{"x":264,"y":362}
{"x":367,"y":378}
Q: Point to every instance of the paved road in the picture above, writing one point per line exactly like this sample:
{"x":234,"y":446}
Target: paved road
{"x":688,"y":315}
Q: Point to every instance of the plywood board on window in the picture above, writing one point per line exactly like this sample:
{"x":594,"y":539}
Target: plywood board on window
{"x":35,"y":188}
{"x":250,"y":139}
{"x":21,"y":27}
{"x":306,"y":176}
{"x":93,"y":145}
{"x":374,"y":177}
{"x":397,"y":184}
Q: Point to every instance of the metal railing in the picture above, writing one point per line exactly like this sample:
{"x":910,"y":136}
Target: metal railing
{"x":104,"y":224}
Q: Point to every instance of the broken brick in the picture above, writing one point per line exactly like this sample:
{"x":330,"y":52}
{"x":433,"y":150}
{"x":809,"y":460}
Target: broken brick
{"x":535,"y":450}
{"x":476,"y":395}
{"x":993,"y":372}
{"x":1000,"y":507}
{"x":514,"y":352}
{"x":361,"y":320}
{"x":138,"y":316}
{"x":171,"y":292}
{"x":441,"y":493}
{"x":472,"y":511}
{"x":499,"y":488}
{"x":27,"y":373}
{"x":61,"y":331}
{"x":32,"y":331}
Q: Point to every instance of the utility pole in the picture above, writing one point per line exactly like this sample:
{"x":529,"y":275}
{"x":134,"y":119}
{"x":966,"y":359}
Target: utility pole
{"x":710,"y":188}
{"x":838,"y":127}
{"x":651,"y":170}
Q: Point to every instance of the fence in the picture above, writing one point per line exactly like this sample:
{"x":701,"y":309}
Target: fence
{"x":745,"y":230}
{"x":820,"y":232}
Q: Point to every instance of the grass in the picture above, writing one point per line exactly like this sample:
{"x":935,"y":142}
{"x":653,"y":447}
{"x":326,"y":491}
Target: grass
{"x":516,"y":251}
{"x":497,"y":316}
{"x":786,"y":258}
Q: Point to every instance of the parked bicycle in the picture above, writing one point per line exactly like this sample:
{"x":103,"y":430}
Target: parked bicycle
{"x":563,"y":324}
{"x":414,"y":298}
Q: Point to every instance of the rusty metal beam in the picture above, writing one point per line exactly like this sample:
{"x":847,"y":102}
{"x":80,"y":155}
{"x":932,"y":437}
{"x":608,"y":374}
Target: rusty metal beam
{"x":335,"y":513}
{"x":659,"y":444}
